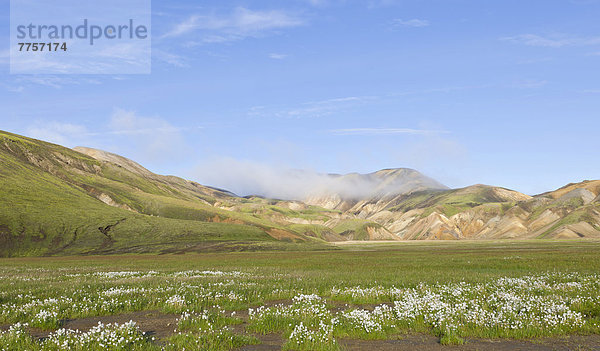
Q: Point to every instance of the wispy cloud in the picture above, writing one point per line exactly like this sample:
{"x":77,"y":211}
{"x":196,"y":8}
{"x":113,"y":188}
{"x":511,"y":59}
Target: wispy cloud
{"x":57,"y":132}
{"x":534,"y":61}
{"x":132,"y":54}
{"x":319,"y":3}
{"x":124,"y":122}
{"x":114,"y":58}
{"x":239,"y":24}
{"x":246,"y":177}
{"x":189,"y":24}
{"x":584,"y":2}
{"x":552,"y":41}
{"x":170,"y":58}
{"x":149,"y":139}
{"x":415,"y":22}
{"x":386,"y":131}
{"x":382,"y":3}
{"x":276,"y":56}
{"x":45,"y":63}
{"x":53,"y":81}
{"x":4,"y":57}
{"x":321,"y":108}
{"x":14,"y":88}
{"x":312,"y":109}
{"x":20,"y":83}
{"x":530,"y":83}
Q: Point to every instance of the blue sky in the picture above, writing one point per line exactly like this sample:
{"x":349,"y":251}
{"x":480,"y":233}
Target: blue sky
{"x":497,"y":92}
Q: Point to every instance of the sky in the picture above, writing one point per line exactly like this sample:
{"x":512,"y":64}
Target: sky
{"x":505,"y":93}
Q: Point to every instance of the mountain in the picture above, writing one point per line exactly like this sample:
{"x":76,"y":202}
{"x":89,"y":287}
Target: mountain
{"x":60,"y":201}
{"x":588,"y":191}
{"x":350,"y":192}
{"x":487,"y":212}
{"x":55,"y":200}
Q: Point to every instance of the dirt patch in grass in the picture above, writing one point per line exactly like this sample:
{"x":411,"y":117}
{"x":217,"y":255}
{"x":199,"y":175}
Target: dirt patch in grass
{"x":161,"y":326}
{"x":431,"y":343}
{"x":426,"y":342}
{"x":267,"y":342}
{"x":153,"y":323}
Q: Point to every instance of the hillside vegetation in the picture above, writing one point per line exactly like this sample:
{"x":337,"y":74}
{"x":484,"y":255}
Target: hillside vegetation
{"x":59,"y":201}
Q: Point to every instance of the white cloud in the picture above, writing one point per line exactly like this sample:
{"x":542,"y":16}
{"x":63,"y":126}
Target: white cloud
{"x":439,"y":155}
{"x":382,"y":3}
{"x":384,"y":131}
{"x":147,"y":139}
{"x":530,"y":83}
{"x":239,"y":24}
{"x":411,"y":23}
{"x":125,"y":122}
{"x":245,"y":177}
{"x":585,"y":2}
{"x":45,"y":63}
{"x":170,"y":58}
{"x":315,"y":109}
{"x":553,"y":41}
{"x":67,"y":134}
{"x":188,"y":25}
{"x":134,"y":54}
{"x":318,"y":3}
{"x":14,"y":88}
{"x":5,"y":57}
{"x":276,"y":56}
{"x":312,"y":109}
{"x":152,"y":138}
{"x":52,"y":81}
{"x":534,"y":61}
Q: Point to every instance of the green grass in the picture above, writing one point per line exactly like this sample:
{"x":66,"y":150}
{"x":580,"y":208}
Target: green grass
{"x":212,"y":341}
{"x":206,"y":320}
{"x":245,"y":280}
{"x":449,"y":338}
{"x":406,"y":262}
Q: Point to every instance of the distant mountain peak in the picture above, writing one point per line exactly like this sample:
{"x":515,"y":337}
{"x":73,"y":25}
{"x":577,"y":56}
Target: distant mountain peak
{"x":343,"y":191}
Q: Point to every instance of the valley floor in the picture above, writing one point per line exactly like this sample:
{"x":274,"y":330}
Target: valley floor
{"x":496,"y":295}
{"x":160,"y":325}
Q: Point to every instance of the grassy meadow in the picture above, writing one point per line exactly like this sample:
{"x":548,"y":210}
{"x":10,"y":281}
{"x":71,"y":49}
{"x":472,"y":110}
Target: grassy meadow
{"x":311,"y":299}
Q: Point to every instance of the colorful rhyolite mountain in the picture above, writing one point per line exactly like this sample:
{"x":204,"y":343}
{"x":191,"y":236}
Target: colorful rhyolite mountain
{"x":55,"y":200}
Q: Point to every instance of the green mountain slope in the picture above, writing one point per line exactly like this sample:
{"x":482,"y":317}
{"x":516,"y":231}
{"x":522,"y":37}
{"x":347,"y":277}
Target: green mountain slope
{"x":55,"y":200}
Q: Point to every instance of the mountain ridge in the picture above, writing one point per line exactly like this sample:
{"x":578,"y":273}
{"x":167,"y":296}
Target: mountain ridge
{"x":371,"y":208}
{"x":60,"y":201}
